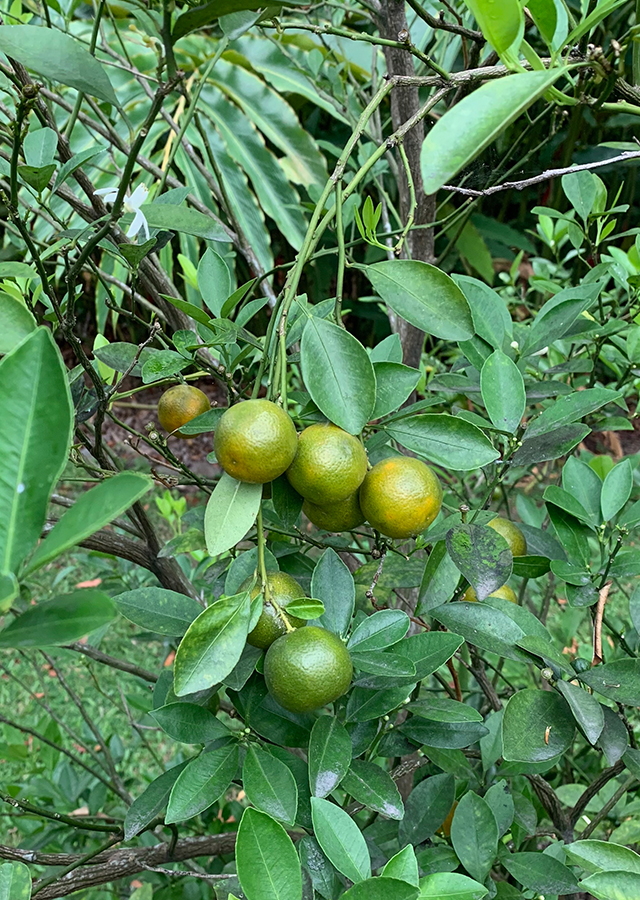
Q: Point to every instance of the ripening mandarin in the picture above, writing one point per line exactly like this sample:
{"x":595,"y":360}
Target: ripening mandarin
{"x":179,"y":405}
{"x":329,"y":465}
{"x":400,"y":497}
{"x":255,"y":441}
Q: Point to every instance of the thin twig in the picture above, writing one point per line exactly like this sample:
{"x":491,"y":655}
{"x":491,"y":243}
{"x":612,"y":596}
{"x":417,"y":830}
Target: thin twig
{"x":597,"y":624}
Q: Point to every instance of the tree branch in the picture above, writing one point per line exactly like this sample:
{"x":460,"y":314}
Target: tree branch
{"x":595,"y":786}
{"x":112,"y":661}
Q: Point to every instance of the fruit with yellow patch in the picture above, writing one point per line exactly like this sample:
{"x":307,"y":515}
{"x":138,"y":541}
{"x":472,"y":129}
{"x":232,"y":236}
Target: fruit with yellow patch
{"x":400,"y":497}
{"x":255,"y":441}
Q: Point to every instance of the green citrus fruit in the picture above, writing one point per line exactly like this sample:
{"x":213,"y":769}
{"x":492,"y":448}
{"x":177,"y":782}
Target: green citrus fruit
{"x":341,"y":516}
{"x":400,"y":496}
{"x":505,"y":592}
{"x":329,"y":465}
{"x":307,"y":668}
{"x":511,"y":533}
{"x":255,"y":441}
{"x":179,"y":405}
{"x":283,"y":589}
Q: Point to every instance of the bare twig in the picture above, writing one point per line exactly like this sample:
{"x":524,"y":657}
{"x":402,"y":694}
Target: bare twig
{"x":111,"y":661}
{"x":597,"y":624}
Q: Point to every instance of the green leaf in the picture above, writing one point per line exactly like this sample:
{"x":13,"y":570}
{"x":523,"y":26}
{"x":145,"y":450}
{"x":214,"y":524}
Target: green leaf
{"x":489,"y":625}
{"x":444,"y":724}
{"x":73,"y":164}
{"x":189,"y":723}
{"x":381,"y":889}
{"x":423,"y":295}
{"x":579,"y":480}
{"x":267,"y":862}
{"x":57,"y":56}
{"x":270,"y":785}
{"x":503,"y":26}
{"x":426,"y":808}
{"x":580,"y":190}
{"x":394,"y":383}
{"x":551,"y":18}
{"x":163,"y":364}
{"x":202,"y":782}
{"x":212,"y":645}
{"x":364,"y":705}
{"x":15,"y":881}
{"x":612,"y":885}
{"x":444,"y":440}
{"x":60,"y":621}
{"x":572,"y":534}
{"x":429,"y":650}
{"x":482,"y":556}
{"x":503,"y":393}
{"x":388,"y":350}
{"x":501,"y":802}
{"x":383,"y":664}
{"x":440,"y":579}
{"x":450,"y":886}
{"x":332,"y":583}
{"x":17,"y":270}
{"x":91,"y":511}
{"x":567,"y":502}
{"x":537,"y":726}
{"x":169,"y":217}
{"x":466,"y":129}
{"x":287,"y":502}
{"x":341,"y":840}
{"x":558,"y":315}
{"x":338,"y":374}
{"x":619,"y":680}
{"x":231,"y":511}
{"x":158,"y":610}
{"x":38,"y":179}
{"x":586,"y":710}
{"x":540,"y":872}
{"x":370,"y":785}
{"x":603,"y":856}
{"x":151,"y":802}
{"x":382,"y":629}
{"x":566,"y":410}
{"x":614,"y":740}
{"x":550,"y":445}
{"x":39,"y":147}
{"x":206,"y":421}
{"x":616,"y":489}
{"x":403,"y":866}
{"x":329,"y":755}
{"x":603,"y":8}
{"x":199,"y":16}
{"x":35,"y":399}
{"x":214,"y":280}
{"x":474,"y":835}
{"x":16,"y":322}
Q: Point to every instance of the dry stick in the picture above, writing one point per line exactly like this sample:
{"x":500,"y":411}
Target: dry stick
{"x":595,"y":786}
{"x":606,"y":809}
{"x":597,"y":624}
{"x":111,"y":661}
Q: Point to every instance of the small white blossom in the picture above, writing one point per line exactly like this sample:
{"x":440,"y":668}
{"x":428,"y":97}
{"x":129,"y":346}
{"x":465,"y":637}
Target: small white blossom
{"x":514,"y":345}
{"x":132,"y":204}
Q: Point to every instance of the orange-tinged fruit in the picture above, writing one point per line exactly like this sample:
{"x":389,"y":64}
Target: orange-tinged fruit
{"x":505,"y":592}
{"x":255,"y":441}
{"x":400,"y":496}
{"x":307,"y":668}
{"x":329,"y":465}
{"x":270,"y":626}
{"x":511,"y":533}
{"x":340,"y":516}
{"x":179,"y":405}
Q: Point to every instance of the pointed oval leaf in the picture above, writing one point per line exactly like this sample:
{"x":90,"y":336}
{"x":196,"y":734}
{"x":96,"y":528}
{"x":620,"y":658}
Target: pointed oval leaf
{"x":338,"y":374}
{"x":394,"y":383}
{"x":403,"y":866}
{"x":189,"y":723}
{"x":15,"y":881}
{"x":381,"y":889}
{"x":203,"y":781}
{"x":383,"y":629}
{"x":616,"y":489}
{"x":59,"y":621}
{"x":170,"y":217}
{"x":16,"y":322}
{"x":585,"y":708}
{"x":502,"y":25}
{"x":332,"y":584}
{"x":214,"y":280}
{"x":537,"y":726}
{"x":341,"y":839}
{"x":267,"y":862}
{"x":619,"y":680}
{"x":158,"y":609}
{"x":445,"y":440}
{"x":482,"y":556}
{"x":474,"y":835}
{"x":427,"y":806}
{"x":231,"y":510}
{"x":599,"y":856}
{"x":370,"y":785}
{"x":451,"y":886}
{"x":329,"y":755}
{"x":470,"y":126}
{"x":270,"y":785}
{"x":503,"y":393}
{"x":151,"y":802}
{"x":540,"y":872}
{"x":612,"y":885}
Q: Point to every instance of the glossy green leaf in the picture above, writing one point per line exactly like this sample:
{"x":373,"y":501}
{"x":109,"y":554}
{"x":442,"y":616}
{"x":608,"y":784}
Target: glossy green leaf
{"x":500,"y":800}
{"x":474,"y":835}
{"x":579,"y":480}
{"x":482,"y":556}
{"x":394,"y":383}
{"x":57,"y":56}
{"x":16,"y":322}
{"x":15,"y":881}
{"x":231,"y":511}
{"x":426,"y":808}
{"x":502,"y":26}
{"x":91,"y":511}
{"x":586,"y":710}
{"x":567,"y":502}
{"x":603,"y":856}
{"x":214,"y":280}
{"x":569,"y":409}
{"x":267,"y":862}
{"x":151,"y":802}
{"x":383,"y":664}
{"x":329,"y":755}
{"x":540,"y":872}
{"x":202,"y":782}
{"x":341,"y":839}
{"x":169,"y":217}
{"x":558,"y":315}
{"x":429,"y":650}
{"x":270,"y":785}
{"x":551,"y":19}
{"x":370,"y":785}
{"x":619,"y":680}
{"x":212,"y":645}
{"x":158,"y":610}
{"x":537,"y":726}
{"x":423,"y":295}
{"x":450,"y":886}
{"x":445,"y":440}
{"x":572,"y":534}
{"x":35,"y":399}
{"x":491,"y":625}
{"x":403,"y":866}
{"x":364,"y":705}
{"x":379,"y":889}
{"x":338,"y":374}
{"x":287,"y":502}
{"x":189,"y":723}
{"x":440,"y":579}
{"x":580,"y":190}
{"x":603,"y":8}
{"x":466,"y":129}
{"x":612,"y":885}
{"x":332,"y":583}
{"x":60,"y":621}
{"x":614,"y":739}
{"x":382,"y":629}
{"x":503,"y":391}
{"x":306,"y":608}
{"x":388,"y":350}
{"x":616,"y":489}
{"x":551,"y":445}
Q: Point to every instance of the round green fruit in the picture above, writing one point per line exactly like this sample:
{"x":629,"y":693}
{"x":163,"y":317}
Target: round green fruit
{"x":269,"y":627}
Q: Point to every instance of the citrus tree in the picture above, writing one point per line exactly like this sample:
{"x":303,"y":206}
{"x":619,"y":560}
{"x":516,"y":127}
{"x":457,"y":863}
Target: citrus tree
{"x":383,"y":642}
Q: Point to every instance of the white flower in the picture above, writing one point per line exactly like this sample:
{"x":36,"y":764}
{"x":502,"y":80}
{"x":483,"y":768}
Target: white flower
{"x":132,"y":204}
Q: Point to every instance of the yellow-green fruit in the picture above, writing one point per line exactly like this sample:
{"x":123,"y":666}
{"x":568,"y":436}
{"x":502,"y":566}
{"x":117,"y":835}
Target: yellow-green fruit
{"x":307,"y":668}
{"x":505,"y":592}
{"x":329,"y":466}
{"x":179,"y":405}
{"x":400,"y":496}
{"x":511,"y":533}
{"x":269,"y":627}
{"x":341,"y":516}
{"x":255,"y":441}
